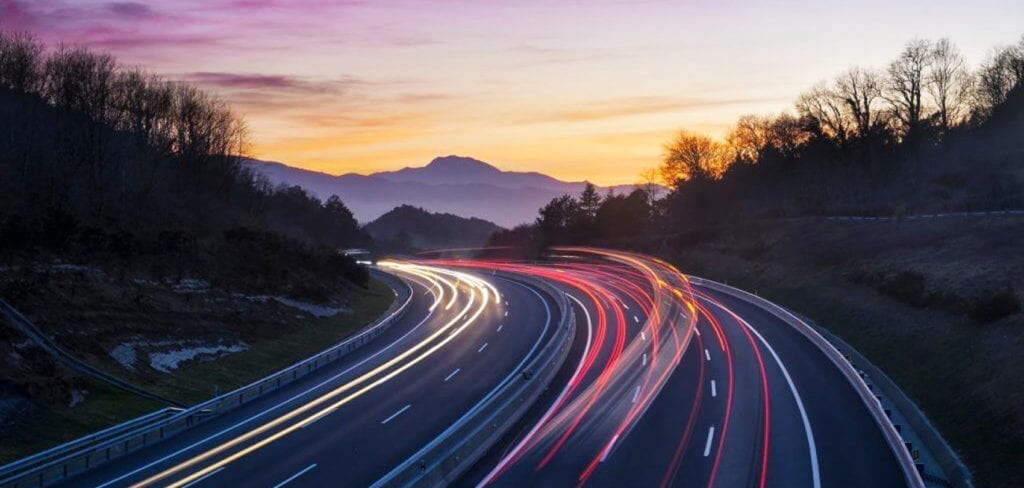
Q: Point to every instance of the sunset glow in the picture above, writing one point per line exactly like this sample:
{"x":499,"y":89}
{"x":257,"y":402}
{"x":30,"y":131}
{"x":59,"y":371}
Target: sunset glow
{"x":578,"y":90}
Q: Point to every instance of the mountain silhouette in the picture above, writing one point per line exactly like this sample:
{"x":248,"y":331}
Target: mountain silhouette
{"x":457,"y":185}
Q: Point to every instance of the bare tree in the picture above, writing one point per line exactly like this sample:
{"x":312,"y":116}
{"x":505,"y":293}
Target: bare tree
{"x":823,"y":106}
{"x":948,"y":83}
{"x":787,"y":135}
{"x":1003,"y":70}
{"x":751,"y":135}
{"x":650,"y":183}
{"x":905,"y":85}
{"x":144,"y":106}
{"x":20,"y":62}
{"x":860,"y":89}
{"x":693,"y":157}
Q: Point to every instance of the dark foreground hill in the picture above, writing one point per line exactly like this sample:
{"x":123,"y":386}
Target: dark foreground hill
{"x":406,"y":227}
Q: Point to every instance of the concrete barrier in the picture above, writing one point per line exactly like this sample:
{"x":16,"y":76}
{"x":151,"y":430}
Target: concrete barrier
{"x":442,"y":461}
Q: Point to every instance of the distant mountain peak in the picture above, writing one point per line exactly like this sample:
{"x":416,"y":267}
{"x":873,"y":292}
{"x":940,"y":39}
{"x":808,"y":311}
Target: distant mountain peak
{"x":452,"y":184}
{"x":461,"y":163}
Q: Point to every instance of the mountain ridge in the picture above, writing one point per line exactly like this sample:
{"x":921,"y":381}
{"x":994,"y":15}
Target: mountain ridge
{"x":458,"y":185}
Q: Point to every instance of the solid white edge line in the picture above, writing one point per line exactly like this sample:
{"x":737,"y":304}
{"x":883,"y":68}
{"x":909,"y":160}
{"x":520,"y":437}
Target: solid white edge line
{"x":296,"y":475}
{"x":399,"y":412}
{"x":707,"y":444}
{"x":811,"y":446}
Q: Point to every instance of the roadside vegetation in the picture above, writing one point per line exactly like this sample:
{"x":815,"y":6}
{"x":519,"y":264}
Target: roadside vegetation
{"x":133,"y":234}
{"x":935,"y":302}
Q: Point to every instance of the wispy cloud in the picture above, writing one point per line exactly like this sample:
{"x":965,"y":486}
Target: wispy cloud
{"x":636,"y":106}
{"x":131,"y":9}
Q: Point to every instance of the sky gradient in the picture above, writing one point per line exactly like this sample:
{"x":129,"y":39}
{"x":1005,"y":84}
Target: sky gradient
{"x":577,"y":89}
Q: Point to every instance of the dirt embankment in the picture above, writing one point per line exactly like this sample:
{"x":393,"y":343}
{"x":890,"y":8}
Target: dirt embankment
{"x":183,"y":339}
{"x":936,"y":304}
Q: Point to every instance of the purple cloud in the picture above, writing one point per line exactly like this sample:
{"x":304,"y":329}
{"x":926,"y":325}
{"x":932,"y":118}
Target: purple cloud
{"x":130,"y":9}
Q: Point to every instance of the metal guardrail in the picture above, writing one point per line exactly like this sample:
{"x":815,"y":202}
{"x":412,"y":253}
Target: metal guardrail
{"x":956,"y":474}
{"x":61,"y":462}
{"x":90,"y":440}
{"x":444,"y":460}
{"x":892,"y":437}
{"x":37,"y":336}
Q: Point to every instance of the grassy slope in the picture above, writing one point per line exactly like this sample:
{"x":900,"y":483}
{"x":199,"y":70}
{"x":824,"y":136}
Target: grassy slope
{"x":278,"y":336}
{"x":964,"y":374}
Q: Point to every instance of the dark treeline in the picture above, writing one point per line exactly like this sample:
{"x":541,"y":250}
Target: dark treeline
{"x":925,"y":133}
{"x":99,"y":162}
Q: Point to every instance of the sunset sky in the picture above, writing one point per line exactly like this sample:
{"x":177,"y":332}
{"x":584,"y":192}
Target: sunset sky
{"x":576,"y":89}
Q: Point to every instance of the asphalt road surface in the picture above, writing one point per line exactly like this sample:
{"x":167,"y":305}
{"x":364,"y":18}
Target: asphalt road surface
{"x":668,"y":384}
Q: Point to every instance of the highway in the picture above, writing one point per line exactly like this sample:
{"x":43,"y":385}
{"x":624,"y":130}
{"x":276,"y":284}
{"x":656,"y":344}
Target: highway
{"x":354,"y":421}
{"x":668,"y":383}
{"x":720,"y":394}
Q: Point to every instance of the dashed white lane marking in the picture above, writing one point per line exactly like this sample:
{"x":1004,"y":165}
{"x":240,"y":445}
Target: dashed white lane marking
{"x":696,"y":331}
{"x":399,"y":412}
{"x":714,"y":391}
{"x":707,"y":354}
{"x":636,"y":393}
{"x":636,"y":319}
{"x":201,"y":478}
{"x":506,"y":313}
{"x":296,"y":475}
{"x":446,"y":378}
{"x":608,"y":448}
{"x":645,"y":359}
{"x":624,"y":305}
{"x":643,"y":337}
{"x":500,"y":326}
{"x":482,"y":347}
{"x":707,"y":445}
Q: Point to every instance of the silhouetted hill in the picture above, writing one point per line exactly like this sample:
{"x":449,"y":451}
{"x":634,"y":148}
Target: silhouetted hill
{"x":451,"y":184}
{"x":407,"y":227}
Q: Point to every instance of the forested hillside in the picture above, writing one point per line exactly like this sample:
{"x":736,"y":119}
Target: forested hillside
{"x":103,"y":163}
{"x":407,"y":228}
{"x":129,"y":231}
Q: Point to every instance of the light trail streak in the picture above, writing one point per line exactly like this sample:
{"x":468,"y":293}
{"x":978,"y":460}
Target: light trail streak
{"x":440,"y":336}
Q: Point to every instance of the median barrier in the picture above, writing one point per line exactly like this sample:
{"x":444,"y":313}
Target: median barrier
{"x":442,"y":461}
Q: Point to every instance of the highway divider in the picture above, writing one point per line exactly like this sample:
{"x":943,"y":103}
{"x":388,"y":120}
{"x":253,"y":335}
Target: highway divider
{"x":63,"y":461}
{"x":447,"y":457}
{"x":892,"y":436}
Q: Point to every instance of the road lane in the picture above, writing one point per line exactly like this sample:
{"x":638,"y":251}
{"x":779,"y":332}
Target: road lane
{"x":331,"y":433}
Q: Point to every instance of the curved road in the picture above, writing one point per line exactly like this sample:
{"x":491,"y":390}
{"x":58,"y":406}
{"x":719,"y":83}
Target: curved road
{"x":351,"y":422}
{"x":667,"y":384}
